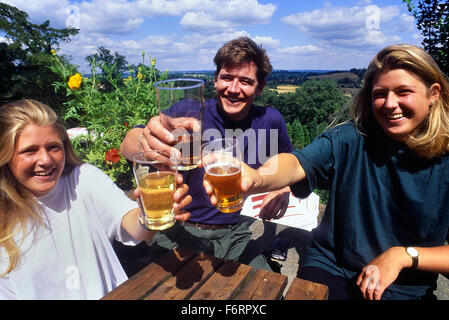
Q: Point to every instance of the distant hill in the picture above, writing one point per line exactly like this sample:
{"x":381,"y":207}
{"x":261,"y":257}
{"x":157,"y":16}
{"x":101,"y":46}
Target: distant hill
{"x":336,"y":76}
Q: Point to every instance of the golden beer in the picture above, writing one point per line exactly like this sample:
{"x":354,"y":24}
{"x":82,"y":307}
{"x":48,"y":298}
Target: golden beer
{"x":226,"y":182}
{"x":156,"y":192}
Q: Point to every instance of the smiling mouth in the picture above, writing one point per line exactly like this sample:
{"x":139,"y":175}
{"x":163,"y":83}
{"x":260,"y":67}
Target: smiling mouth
{"x":394,"y":116}
{"x":44,"y":173}
{"x":233,"y":100}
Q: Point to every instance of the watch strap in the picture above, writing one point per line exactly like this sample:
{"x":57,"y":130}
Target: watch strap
{"x":414,"y":258}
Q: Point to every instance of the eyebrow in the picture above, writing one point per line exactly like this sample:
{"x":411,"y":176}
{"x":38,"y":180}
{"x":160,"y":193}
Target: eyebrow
{"x":242,"y":78}
{"x":31,"y":146}
{"x":398,"y":87}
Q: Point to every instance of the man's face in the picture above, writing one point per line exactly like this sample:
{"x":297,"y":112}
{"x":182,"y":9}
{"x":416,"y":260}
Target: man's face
{"x":237,"y":87}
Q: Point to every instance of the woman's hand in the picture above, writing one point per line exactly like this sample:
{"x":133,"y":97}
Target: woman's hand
{"x":249,"y":182}
{"x":380,"y":273}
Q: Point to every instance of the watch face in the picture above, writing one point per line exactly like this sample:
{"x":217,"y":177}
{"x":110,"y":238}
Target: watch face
{"x":412,"y":251}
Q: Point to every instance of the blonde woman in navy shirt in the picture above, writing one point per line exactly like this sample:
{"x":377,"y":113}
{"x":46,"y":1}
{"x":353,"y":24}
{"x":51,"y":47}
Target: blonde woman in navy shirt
{"x":383,"y":233}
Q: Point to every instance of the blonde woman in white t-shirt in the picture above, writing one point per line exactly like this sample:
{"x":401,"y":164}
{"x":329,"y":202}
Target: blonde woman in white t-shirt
{"x":59,"y":216}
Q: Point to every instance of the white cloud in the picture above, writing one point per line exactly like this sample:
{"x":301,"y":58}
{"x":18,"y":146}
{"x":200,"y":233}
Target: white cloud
{"x":343,"y":26}
{"x":203,"y":22}
{"x":301,"y":50}
{"x":267,"y":42}
{"x":5,"y":40}
{"x":122,"y":16}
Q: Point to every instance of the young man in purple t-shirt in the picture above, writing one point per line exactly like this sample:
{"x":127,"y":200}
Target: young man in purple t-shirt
{"x":242,"y":67}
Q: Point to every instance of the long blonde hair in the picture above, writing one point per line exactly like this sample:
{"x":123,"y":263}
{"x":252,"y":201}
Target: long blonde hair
{"x":431,"y":138}
{"x":18,"y":206}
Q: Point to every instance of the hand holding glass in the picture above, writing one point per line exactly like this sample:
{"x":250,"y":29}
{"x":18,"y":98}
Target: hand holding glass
{"x":222,"y":159}
{"x":181,"y":105}
{"x":155,"y":175}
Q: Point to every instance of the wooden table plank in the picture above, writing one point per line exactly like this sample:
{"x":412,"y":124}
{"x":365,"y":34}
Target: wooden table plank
{"x":142,"y":282}
{"x":224,"y":283}
{"x":301,"y":289}
{"x":264,"y":285}
{"x":184,"y":283}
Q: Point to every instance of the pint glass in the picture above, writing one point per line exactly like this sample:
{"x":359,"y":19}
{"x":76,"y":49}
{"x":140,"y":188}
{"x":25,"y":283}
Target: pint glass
{"x":155,"y":175}
{"x":181,"y":106}
{"x":222,"y":162}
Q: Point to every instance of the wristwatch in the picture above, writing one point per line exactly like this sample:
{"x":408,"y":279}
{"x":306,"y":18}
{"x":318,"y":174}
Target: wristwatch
{"x":413,"y":253}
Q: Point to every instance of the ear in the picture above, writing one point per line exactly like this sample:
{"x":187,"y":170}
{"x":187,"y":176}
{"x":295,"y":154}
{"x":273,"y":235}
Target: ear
{"x":434,"y":93}
{"x":260,"y":87}
{"x":215,"y":79}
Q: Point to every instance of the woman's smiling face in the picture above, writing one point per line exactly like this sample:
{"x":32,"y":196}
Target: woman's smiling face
{"x":401,"y":101}
{"x":38,"y":159}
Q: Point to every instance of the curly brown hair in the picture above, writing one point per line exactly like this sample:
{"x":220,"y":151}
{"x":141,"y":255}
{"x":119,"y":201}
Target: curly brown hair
{"x":241,"y":50}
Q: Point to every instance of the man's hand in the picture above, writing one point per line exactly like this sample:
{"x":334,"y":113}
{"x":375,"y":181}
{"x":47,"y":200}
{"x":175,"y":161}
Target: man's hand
{"x":275,"y":204}
{"x":157,"y":137}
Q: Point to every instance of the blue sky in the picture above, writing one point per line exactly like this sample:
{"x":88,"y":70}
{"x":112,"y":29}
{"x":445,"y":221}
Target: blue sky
{"x":185,"y":34}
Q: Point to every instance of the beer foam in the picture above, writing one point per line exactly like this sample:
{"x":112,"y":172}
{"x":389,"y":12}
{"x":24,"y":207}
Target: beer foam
{"x":222,"y":165}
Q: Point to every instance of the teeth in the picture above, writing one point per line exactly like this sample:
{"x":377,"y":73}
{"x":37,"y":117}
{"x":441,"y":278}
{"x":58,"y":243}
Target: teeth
{"x":43,"y":173}
{"x":395,"y":116}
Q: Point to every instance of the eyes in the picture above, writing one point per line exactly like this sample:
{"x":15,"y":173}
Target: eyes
{"x":383,"y":93}
{"x":33,"y":149}
{"x":243,"y":80}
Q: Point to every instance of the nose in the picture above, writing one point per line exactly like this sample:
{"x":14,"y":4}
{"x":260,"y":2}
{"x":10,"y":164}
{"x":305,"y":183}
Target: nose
{"x":234,"y":86}
{"x":391,"y":101}
{"x":43,"y":157}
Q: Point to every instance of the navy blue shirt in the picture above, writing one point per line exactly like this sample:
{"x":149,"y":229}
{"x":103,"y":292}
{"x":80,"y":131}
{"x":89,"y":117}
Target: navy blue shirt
{"x":380,"y":195}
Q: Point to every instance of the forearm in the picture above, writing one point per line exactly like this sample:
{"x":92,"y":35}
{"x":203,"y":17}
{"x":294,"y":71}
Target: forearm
{"x":131,"y":224}
{"x":279,"y":172}
{"x":433,"y":259}
{"x":130,"y":144}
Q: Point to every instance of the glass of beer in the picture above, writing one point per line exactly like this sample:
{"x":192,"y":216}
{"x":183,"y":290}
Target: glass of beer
{"x":181,"y":106}
{"x":155,"y":175}
{"x":222,"y":162}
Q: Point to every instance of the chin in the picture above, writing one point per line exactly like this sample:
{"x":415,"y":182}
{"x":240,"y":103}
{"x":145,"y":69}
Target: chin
{"x":235,"y":113}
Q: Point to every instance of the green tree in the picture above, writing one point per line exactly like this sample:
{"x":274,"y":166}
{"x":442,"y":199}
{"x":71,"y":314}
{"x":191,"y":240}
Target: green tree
{"x":432,"y":19}
{"x":314,"y":103}
{"x":26,"y":55}
{"x":298,"y":134}
{"x":111,"y":66}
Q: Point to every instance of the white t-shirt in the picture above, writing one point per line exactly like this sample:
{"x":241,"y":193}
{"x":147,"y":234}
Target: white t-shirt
{"x":72,"y":256}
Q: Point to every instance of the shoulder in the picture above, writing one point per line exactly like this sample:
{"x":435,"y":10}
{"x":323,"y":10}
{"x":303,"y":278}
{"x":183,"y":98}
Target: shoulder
{"x":266,"y":111}
{"x":268,"y":114}
{"x":345,"y":131}
{"x":87,"y":169}
{"x":341,"y":139}
{"x":87,"y":176}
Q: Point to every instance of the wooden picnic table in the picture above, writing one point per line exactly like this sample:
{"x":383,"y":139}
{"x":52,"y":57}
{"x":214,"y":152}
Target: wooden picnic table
{"x":184,"y":274}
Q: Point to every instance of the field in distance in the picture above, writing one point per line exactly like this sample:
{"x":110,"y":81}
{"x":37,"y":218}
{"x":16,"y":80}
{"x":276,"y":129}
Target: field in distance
{"x":285,"y":88}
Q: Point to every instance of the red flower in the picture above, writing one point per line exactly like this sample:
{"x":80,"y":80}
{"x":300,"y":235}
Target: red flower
{"x":125,"y":124}
{"x":112,"y":156}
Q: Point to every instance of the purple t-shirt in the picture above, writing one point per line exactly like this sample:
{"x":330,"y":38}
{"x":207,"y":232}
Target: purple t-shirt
{"x":263,"y":133}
